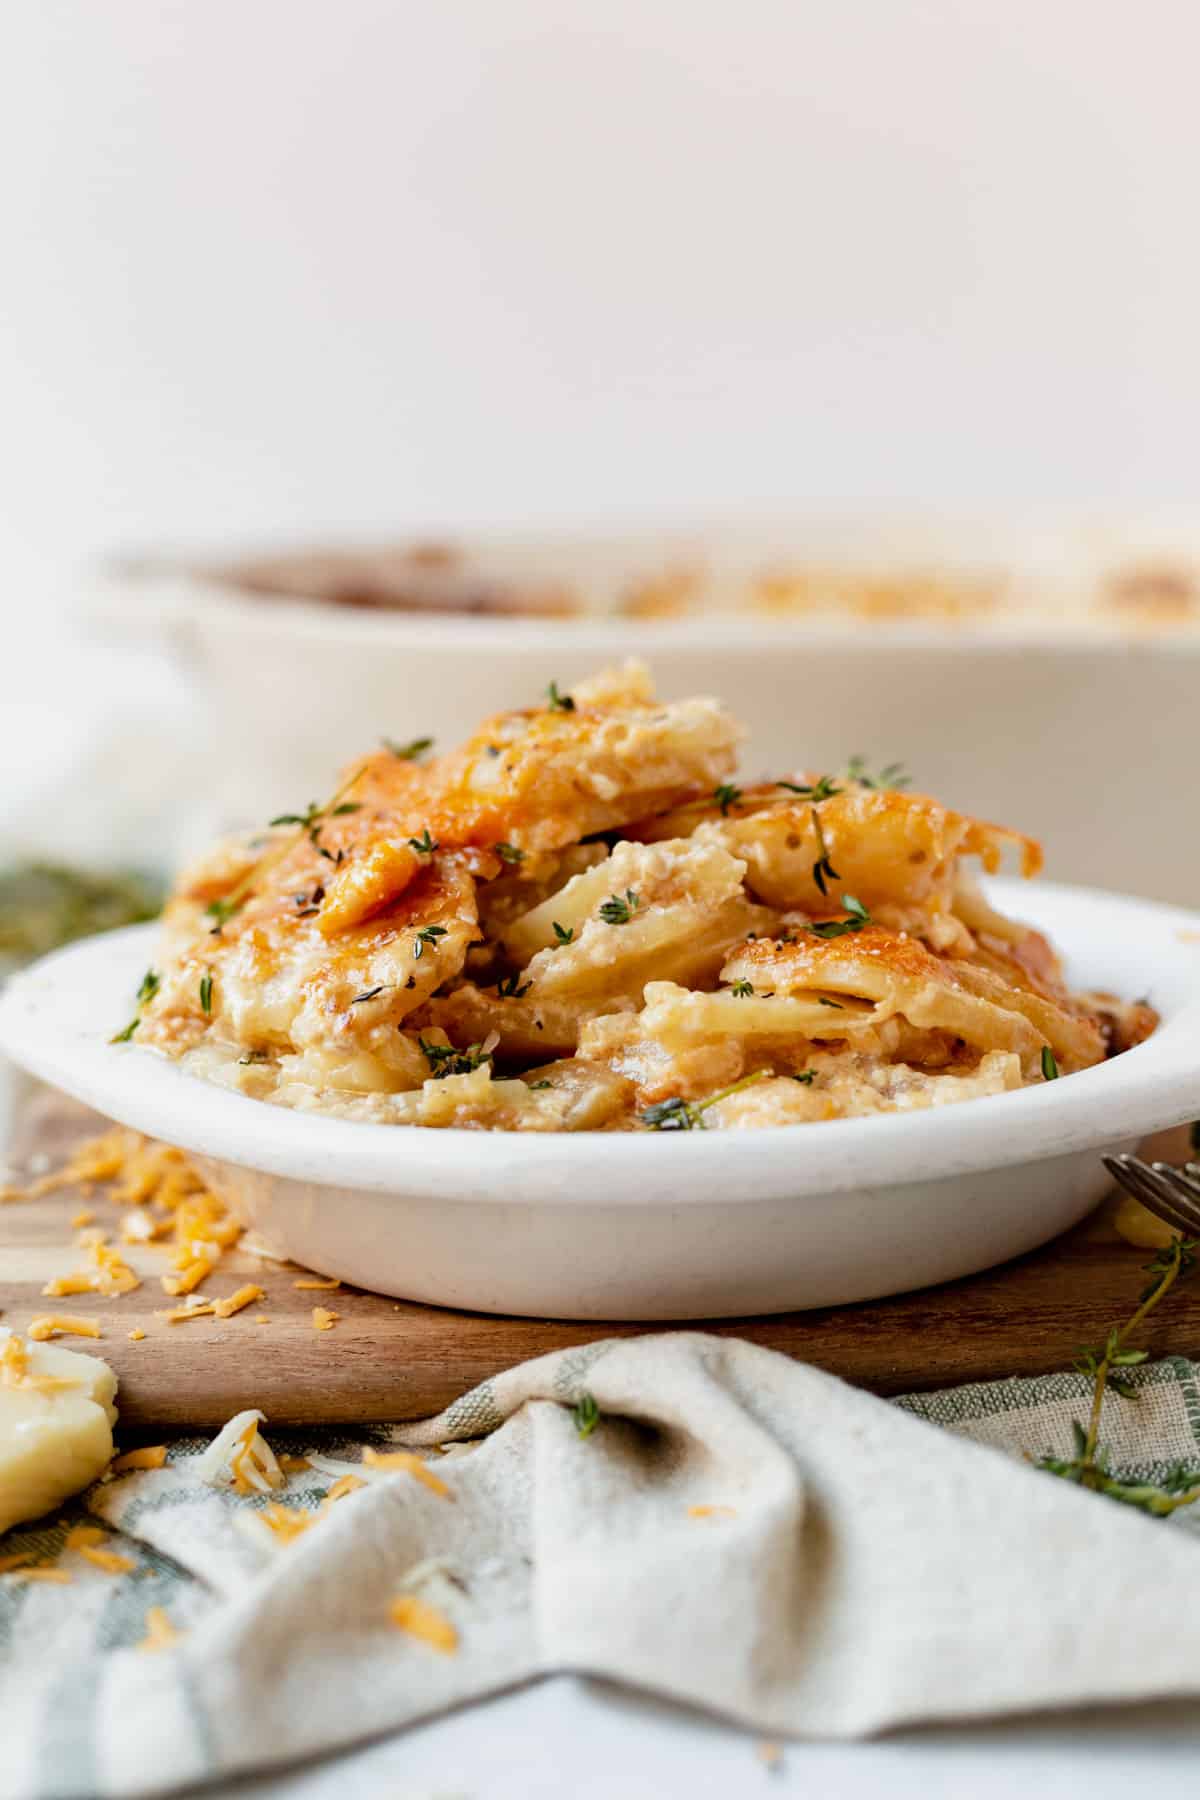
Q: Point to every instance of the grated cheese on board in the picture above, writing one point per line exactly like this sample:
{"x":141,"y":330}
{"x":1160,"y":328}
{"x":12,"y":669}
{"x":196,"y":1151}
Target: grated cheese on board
{"x":51,"y":1325}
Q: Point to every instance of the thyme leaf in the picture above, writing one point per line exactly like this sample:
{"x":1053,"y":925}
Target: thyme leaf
{"x":445,"y":1059}
{"x":824,"y":789}
{"x":557,"y":702}
{"x":586,"y":1415}
{"x":413,"y":751}
{"x":509,"y":853}
{"x":428,"y":934}
{"x":678,"y":1114}
{"x":563,"y":934}
{"x":836,"y":928}
{"x":617,"y":910}
{"x":726,"y":796}
{"x":892,"y":775}
{"x":1089,"y":1466}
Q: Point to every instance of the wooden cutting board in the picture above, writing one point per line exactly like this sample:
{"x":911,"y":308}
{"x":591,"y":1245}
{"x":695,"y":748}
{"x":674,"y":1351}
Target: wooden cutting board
{"x":387,"y":1360}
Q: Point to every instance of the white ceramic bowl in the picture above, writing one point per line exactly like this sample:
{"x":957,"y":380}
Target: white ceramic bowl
{"x":650,"y":1226}
{"x":1008,"y":714}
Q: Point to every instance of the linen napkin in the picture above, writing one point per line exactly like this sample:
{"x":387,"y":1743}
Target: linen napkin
{"x":738,"y":1531}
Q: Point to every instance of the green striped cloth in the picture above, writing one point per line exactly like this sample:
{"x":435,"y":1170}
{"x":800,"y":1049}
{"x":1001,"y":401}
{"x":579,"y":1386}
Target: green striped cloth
{"x":757,"y":1446}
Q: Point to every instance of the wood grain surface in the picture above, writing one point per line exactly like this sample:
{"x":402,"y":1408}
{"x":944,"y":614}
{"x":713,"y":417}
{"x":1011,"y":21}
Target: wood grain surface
{"x":386,"y":1360}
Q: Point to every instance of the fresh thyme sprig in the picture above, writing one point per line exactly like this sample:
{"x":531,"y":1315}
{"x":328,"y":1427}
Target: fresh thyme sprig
{"x":410,"y":752}
{"x":1089,"y":1467}
{"x":742,"y":989}
{"x":562,"y":933}
{"x":423,"y":845}
{"x":445,"y":1059}
{"x":427,"y":936}
{"x":151,"y":982}
{"x":836,"y":928}
{"x":556,"y":702}
{"x":511,"y":987}
{"x":824,"y":789}
{"x":586,"y":1414}
{"x":823,"y":870}
{"x":892,"y":775}
{"x":678,"y":1114}
{"x":222,"y":910}
{"x":315,"y":816}
{"x":727,"y":795}
{"x":618,"y":910}
{"x":509,"y":853}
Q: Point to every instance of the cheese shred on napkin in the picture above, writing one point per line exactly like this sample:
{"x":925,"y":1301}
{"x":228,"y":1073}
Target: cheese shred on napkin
{"x":688,"y":1515}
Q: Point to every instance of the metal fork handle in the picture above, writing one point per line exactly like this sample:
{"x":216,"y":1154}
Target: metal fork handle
{"x":1175,"y":1206}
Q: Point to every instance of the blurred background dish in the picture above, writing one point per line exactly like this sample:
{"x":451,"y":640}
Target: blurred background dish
{"x":1043,"y":662}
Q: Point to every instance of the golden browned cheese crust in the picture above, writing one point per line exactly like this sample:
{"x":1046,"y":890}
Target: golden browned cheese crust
{"x":579,"y":921}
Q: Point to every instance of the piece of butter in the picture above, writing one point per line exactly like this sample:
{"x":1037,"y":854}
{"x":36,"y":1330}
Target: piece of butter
{"x":56,"y":1420}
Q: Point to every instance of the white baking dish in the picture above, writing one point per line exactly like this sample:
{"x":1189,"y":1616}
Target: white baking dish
{"x":1049,"y":706}
{"x":647,"y":1225}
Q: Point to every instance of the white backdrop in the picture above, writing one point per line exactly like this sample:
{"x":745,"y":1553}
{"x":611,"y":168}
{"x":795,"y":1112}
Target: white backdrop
{"x":282,"y":264}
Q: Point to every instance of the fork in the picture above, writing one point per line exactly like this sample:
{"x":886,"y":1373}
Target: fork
{"x":1172,"y":1195}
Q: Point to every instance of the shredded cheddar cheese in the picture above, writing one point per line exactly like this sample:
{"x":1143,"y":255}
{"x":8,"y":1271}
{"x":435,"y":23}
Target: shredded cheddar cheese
{"x":88,"y":1541}
{"x":323,"y":1319}
{"x":411,"y":1464}
{"x":43,"y":1572}
{"x":109,"y":1274}
{"x":345,"y":1484}
{"x":160,"y":1633}
{"x":81,"y":1218}
{"x":313,"y":1281}
{"x":51,"y":1325}
{"x":712,"y":1512}
{"x":224,"y":1309}
{"x":137,"y":1334}
{"x":166,"y":1200}
{"x":16,"y":1561}
{"x":150,"y":1456}
{"x":240,"y":1457}
{"x":286,"y":1523}
{"x":423,"y":1621}
{"x":14,"y":1362}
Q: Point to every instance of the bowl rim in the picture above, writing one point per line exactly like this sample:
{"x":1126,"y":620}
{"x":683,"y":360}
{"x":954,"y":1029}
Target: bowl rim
{"x":1153,"y":1086}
